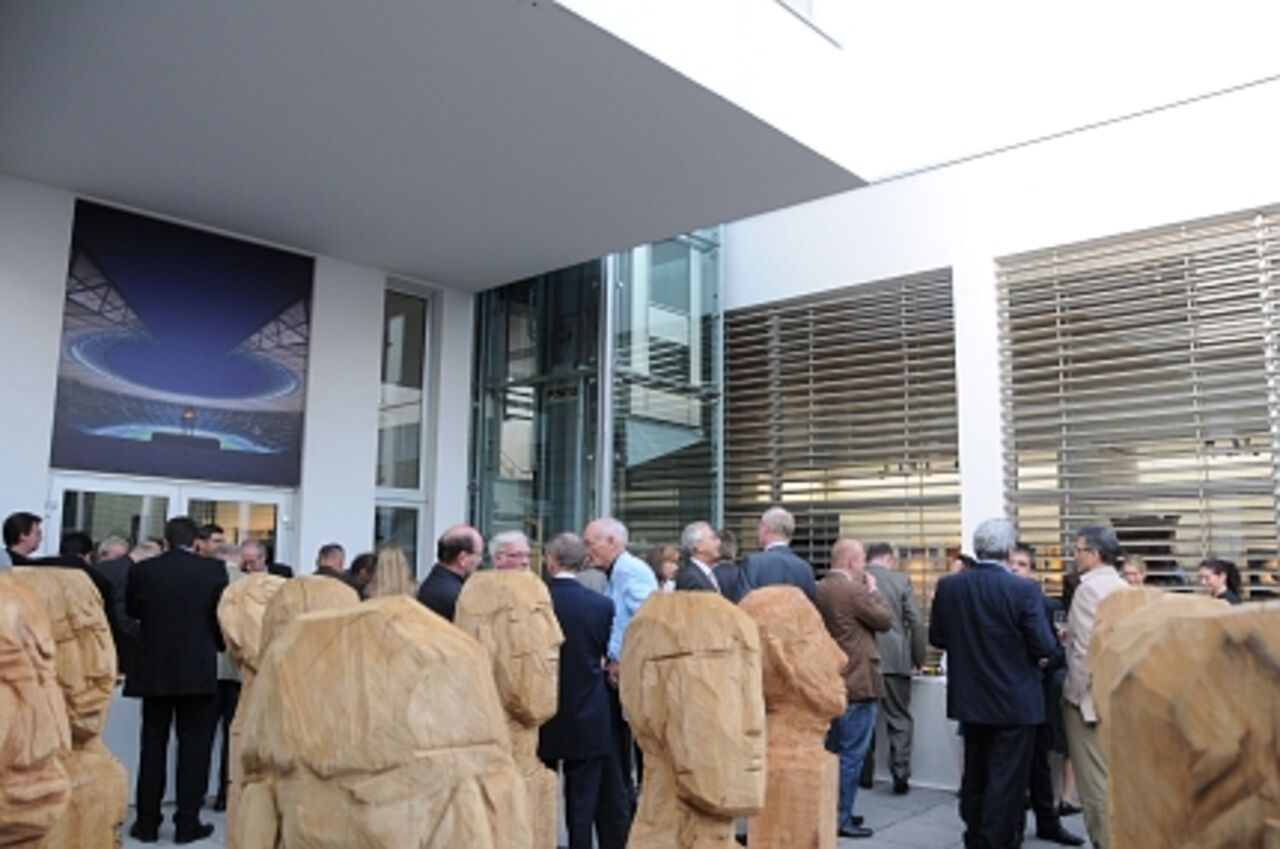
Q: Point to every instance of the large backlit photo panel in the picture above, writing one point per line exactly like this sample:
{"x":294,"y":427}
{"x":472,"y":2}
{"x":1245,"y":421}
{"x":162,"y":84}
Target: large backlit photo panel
{"x":184,"y":353}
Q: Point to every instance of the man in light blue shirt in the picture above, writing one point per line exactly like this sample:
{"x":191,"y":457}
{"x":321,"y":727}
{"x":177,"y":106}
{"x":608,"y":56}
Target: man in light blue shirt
{"x":631,"y":581}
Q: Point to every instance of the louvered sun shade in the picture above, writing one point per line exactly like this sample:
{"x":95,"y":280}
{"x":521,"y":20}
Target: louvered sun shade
{"x":842,"y":407}
{"x":1140,"y":391}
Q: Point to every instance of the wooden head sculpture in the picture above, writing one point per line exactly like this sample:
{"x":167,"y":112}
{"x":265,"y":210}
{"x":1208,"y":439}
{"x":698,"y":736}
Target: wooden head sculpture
{"x":803,"y":691}
{"x":1195,"y":730}
{"x":406,"y":748}
{"x":86,"y":654}
{"x":305,"y":594}
{"x":34,"y":733}
{"x":510,"y":614}
{"x":86,"y":663}
{"x":241,"y":613}
{"x":692,"y":687}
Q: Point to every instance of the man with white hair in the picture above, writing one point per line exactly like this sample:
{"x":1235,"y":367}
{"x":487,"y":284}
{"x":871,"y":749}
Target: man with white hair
{"x":992,"y":626}
{"x":509,"y":551}
{"x":775,"y":562}
{"x":701,"y":547}
{"x":631,"y":582}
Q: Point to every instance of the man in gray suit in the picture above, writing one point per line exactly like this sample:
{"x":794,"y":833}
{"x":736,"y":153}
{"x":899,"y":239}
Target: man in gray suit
{"x":902,"y":650}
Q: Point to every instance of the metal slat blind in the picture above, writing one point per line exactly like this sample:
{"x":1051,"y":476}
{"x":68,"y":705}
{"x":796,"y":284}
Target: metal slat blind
{"x":1140,"y":390}
{"x":842,"y":407}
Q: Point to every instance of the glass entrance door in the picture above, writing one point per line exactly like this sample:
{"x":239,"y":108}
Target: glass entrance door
{"x":137,"y":508}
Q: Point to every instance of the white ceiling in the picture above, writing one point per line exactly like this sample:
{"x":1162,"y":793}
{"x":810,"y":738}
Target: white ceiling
{"x":936,"y":81}
{"x":465,"y":142}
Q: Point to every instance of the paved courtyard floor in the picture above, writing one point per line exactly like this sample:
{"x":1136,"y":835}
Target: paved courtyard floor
{"x":922,"y":819}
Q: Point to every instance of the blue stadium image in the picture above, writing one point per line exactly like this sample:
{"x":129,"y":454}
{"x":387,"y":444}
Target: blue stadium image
{"x":184,"y":353}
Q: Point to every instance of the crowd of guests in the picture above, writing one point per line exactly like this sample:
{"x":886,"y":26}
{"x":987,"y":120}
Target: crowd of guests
{"x":1017,"y":661}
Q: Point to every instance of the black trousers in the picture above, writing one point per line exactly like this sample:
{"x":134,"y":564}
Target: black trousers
{"x":997,"y":764}
{"x":196,"y":718}
{"x":228,"y":698}
{"x":623,"y":747}
{"x":1041,"y":781}
{"x":594,"y":796}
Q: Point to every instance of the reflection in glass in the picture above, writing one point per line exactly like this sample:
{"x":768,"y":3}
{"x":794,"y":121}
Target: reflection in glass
{"x":400,"y":413}
{"x":104,"y":514}
{"x":535,"y":408}
{"x":240,"y":520}
{"x":398,"y":525}
{"x":666,"y":387}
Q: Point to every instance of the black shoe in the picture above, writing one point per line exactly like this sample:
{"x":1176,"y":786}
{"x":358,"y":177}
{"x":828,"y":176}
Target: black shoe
{"x":866,"y":783}
{"x":1059,"y":835}
{"x":144,"y":835}
{"x":901,"y":787}
{"x":1066,"y":809}
{"x":220,"y":804}
{"x":741,"y":838}
{"x":855,"y":831}
{"x":199,"y":831}
{"x":856,"y":819}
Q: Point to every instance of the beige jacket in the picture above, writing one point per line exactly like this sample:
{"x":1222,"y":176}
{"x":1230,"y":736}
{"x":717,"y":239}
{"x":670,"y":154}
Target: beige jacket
{"x":1095,"y":585}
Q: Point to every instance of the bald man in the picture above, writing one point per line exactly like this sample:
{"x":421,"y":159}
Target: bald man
{"x":458,"y":554}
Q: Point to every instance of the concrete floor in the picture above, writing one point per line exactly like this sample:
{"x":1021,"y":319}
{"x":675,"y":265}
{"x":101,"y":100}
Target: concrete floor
{"x":922,"y":819}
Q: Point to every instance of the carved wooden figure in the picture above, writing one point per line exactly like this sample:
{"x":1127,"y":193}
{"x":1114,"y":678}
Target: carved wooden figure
{"x":1195,"y":732}
{"x":803,"y":692}
{"x":379,"y":727}
{"x":240,"y":614}
{"x":693,"y":690}
{"x":86,"y":664}
{"x":284,"y":604}
{"x":35,"y":735}
{"x":510,"y":614}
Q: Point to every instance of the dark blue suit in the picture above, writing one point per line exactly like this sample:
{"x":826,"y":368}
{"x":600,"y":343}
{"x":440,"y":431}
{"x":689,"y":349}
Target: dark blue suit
{"x":777,"y":565}
{"x":993,"y":628}
{"x":580,"y":735}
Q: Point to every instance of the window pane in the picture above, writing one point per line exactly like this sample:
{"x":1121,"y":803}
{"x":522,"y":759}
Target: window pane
{"x":400,"y":414}
{"x":104,"y":514}
{"x":398,"y":525}
{"x":240,"y":520}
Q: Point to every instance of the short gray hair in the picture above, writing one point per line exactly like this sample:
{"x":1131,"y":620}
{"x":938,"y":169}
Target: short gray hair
{"x":779,"y":522}
{"x":1101,"y":539}
{"x":993,"y":539}
{"x":504,"y":539}
{"x":112,"y":542}
{"x":253,"y":543}
{"x":694,"y":533}
{"x":611,"y":527}
{"x":568,"y":551}
{"x":145,"y":550}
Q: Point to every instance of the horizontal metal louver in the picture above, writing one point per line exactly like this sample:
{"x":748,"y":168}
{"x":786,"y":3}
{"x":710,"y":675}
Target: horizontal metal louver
{"x":842,"y":407}
{"x":1139,"y":390}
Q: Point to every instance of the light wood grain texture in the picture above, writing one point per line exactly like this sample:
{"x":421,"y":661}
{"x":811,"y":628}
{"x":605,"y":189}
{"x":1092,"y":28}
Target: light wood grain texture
{"x":1194,"y":748}
{"x":509,"y":613}
{"x":241,"y":612}
{"x":86,"y":664}
{"x":803,"y":692}
{"x":692,"y":687}
{"x":35,"y":735}
{"x":379,"y":727}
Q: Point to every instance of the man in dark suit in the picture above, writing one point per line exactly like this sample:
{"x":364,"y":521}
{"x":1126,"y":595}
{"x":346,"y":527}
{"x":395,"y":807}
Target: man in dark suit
{"x":175,"y":597}
{"x":701,"y":546}
{"x":992,"y":626}
{"x":579,"y":736}
{"x":458,"y":554}
{"x":776,"y":563}
{"x":1022,"y":562}
{"x":727,"y":571}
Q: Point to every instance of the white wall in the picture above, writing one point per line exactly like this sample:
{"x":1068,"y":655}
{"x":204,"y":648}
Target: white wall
{"x":35,"y":232}
{"x":336,"y":496}
{"x":1203,"y":159}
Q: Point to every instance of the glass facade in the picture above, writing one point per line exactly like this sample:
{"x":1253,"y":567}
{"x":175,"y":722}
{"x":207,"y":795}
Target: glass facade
{"x":645,"y":324}
{"x":666,"y":387}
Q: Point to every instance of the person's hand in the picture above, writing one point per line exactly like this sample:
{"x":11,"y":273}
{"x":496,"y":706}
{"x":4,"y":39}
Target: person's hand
{"x":1062,"y":633}
{"x":611,"y":673}
{"x":1044,"y":663}
{"x":871,"y":581}
{"x":916,"y":670}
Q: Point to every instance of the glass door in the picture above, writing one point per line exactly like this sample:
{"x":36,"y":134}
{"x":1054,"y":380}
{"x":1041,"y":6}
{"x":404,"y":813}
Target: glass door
{"x":137,"y":508}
